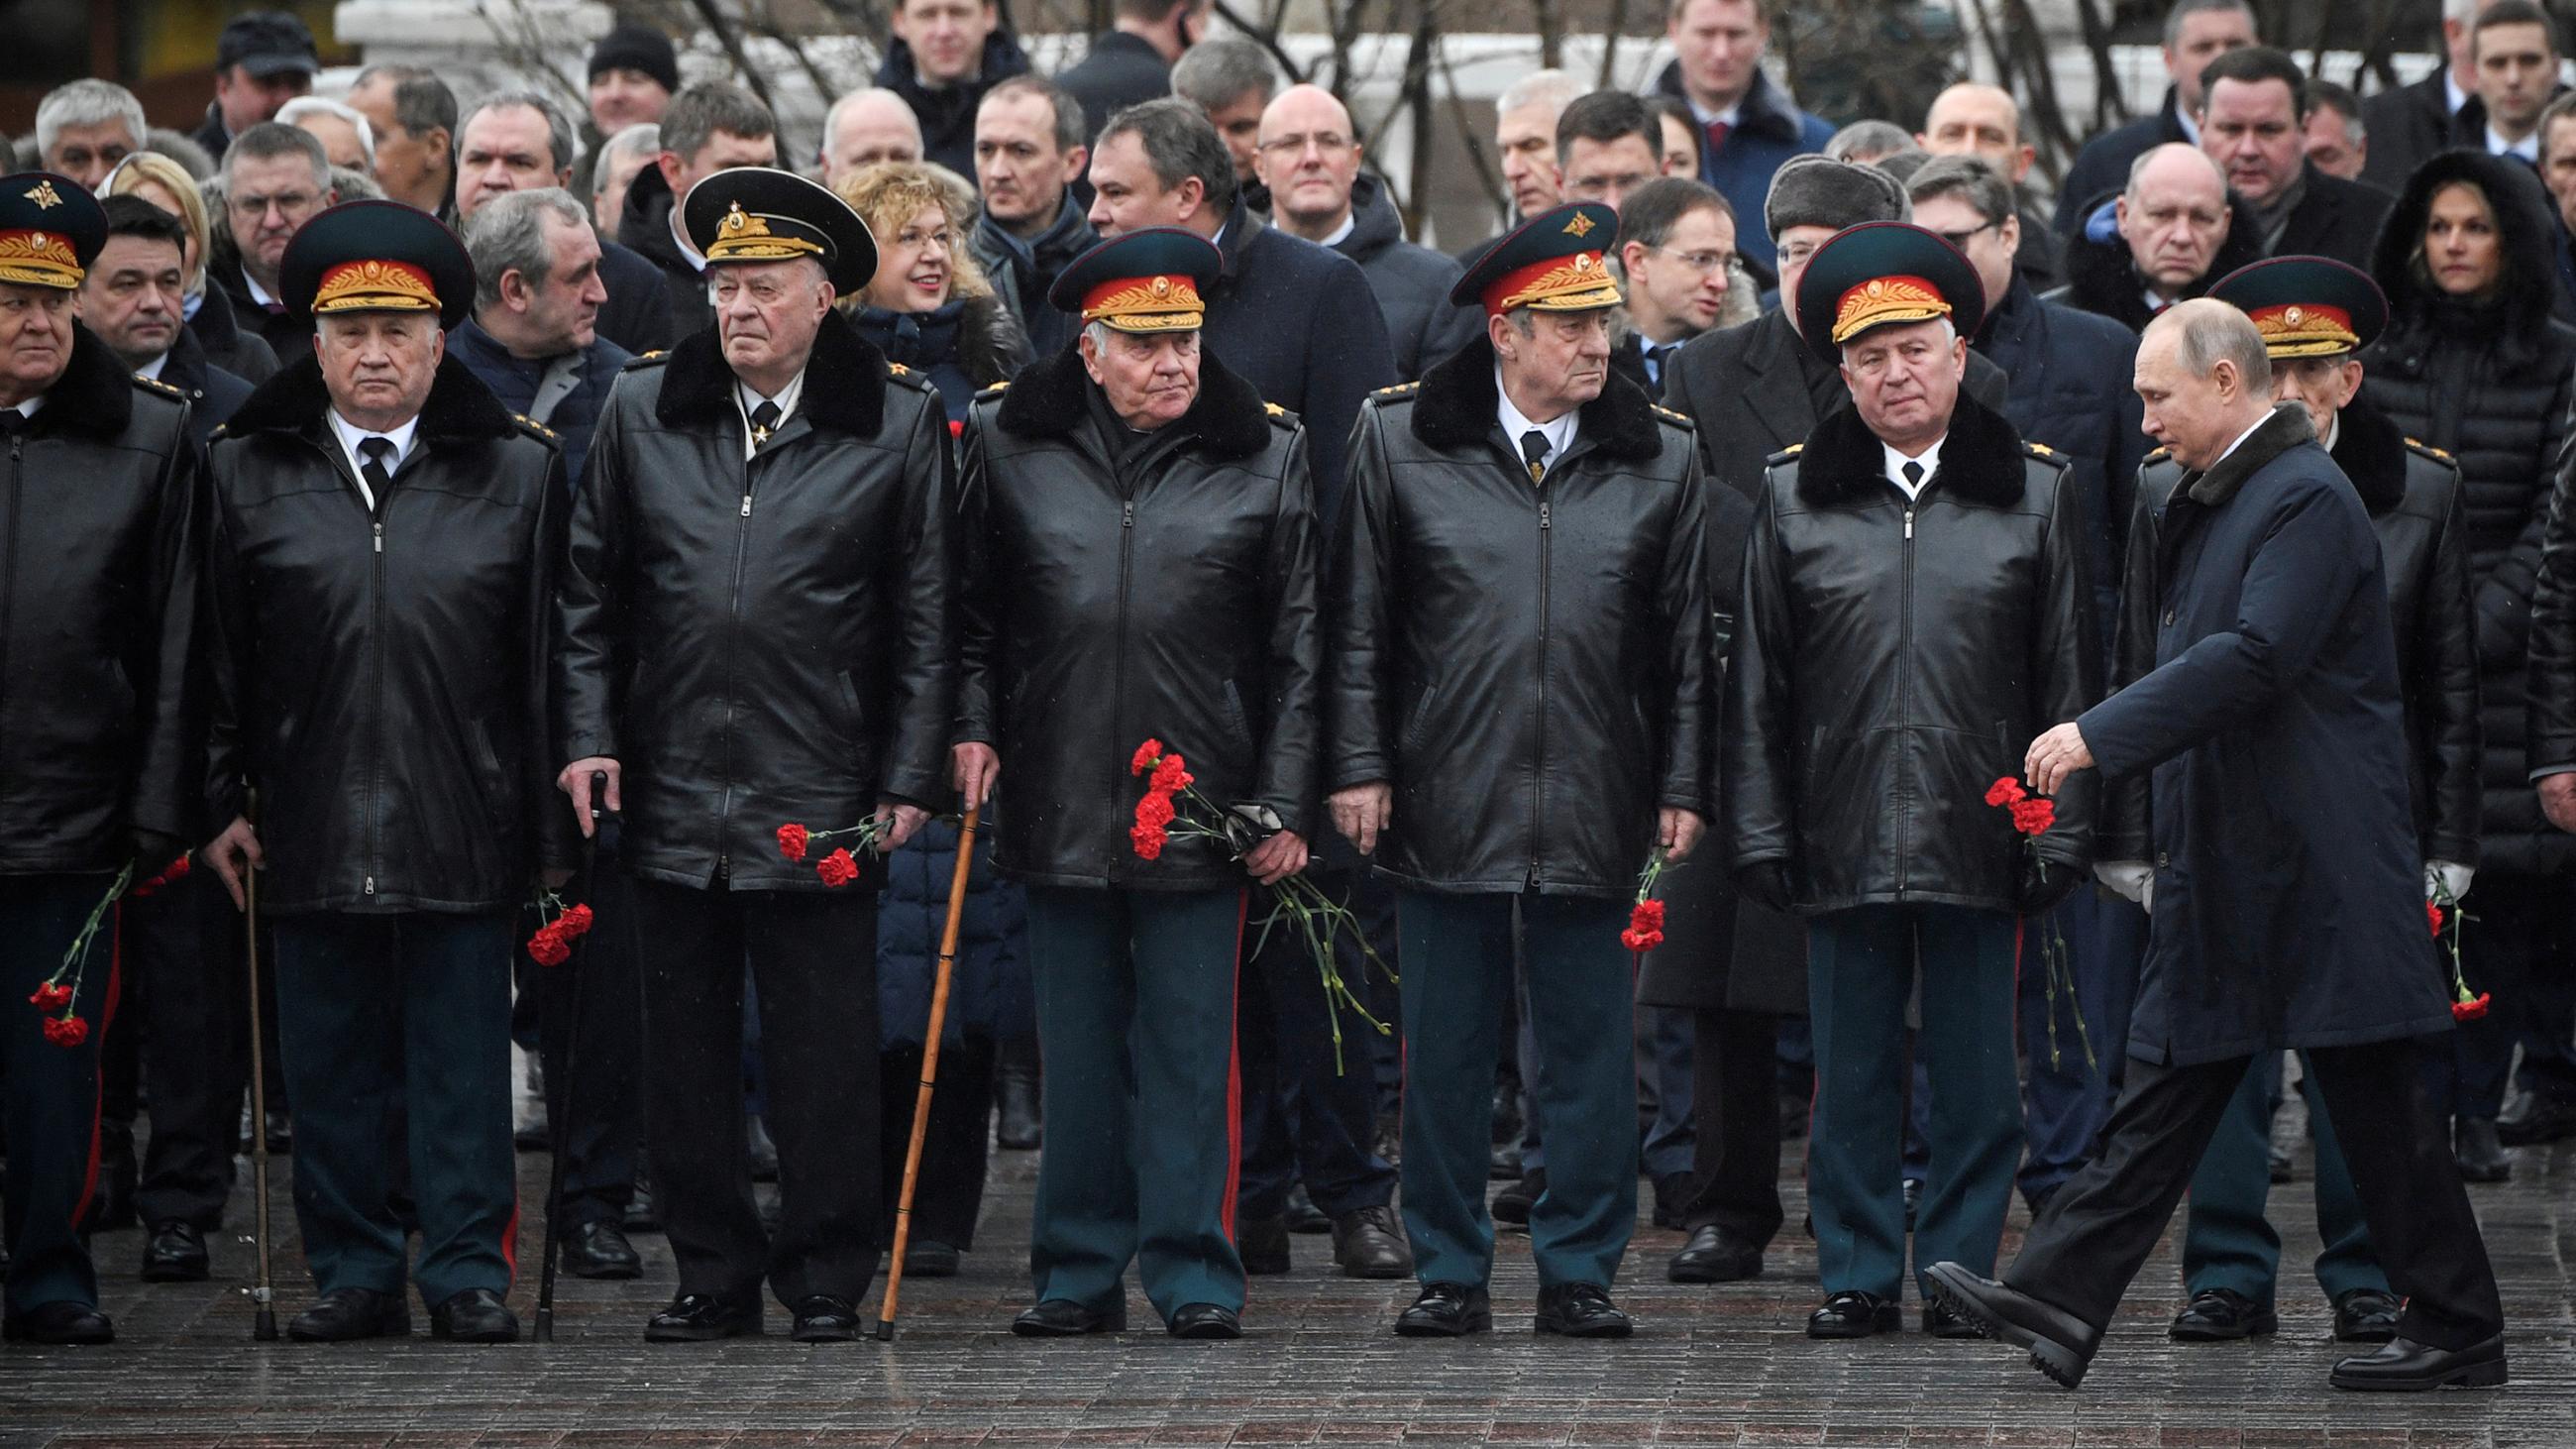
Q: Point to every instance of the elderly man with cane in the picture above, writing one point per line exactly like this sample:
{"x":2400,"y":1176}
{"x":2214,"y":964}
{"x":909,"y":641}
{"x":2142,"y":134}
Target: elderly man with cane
{"x":2256,"y":750}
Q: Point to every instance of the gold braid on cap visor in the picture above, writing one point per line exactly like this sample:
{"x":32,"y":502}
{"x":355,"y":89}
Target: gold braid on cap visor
{"x":374,"y":286}
{"x":1882,"y":300}
{"x":742,"y":237}
{"x":1143,"y":304}
{"x":2305,"y":330}
{"x":39,"y":259}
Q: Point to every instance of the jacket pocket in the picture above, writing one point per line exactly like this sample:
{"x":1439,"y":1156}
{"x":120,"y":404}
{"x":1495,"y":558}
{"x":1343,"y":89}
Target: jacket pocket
{"x":499,"y":802}
{"x":1416,"y":723}
{"x":854,"y":715}
{"x":1237,"y":721}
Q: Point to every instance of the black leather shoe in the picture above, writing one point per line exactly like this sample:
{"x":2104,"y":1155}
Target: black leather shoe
{"x":1064,"y":1318}
{"x":2220,"y":1315}
{"x":1015,"y":1089}
{"x":1205,"y":1320}
{"x":1940,"y":1322}
{"x":1263,"y":1245}
{"x":2481,"y":1156}
{"x":928,"y":1259}
{"x":701,"y":1318}
{"x":1580,"y":1310}
{"x":59,"y":1323}
{"x":1853,"y":1314}
{"x":1512,"y":1204}
{"x":176,"y":1253}
{"x":2402,"y":1365}
{"x":2541,"y":1120}
{"x":1446,"y":1310}
{"x":2366,"y":1315}
{"x":1712,"y":1257}
{"x":600,"y":1250}
{"x":638,"y":1216}
{"x":1672,"y":1199}
{"x":476,"y":1315}
{"x":1370,"y":1243}
{"x":1302,"y":1214}
{"x":344,"y":1315}
{"x":825,"y":1318}
{"x":2061,"y":1345}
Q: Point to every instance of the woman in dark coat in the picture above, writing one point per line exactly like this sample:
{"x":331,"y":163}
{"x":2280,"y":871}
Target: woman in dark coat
{"x":2474,"y":364}
{"x":929,"y":306}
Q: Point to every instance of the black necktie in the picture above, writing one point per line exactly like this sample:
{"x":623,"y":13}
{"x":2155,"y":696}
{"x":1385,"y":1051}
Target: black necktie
{"x":1656,"y":357}
{"x":1913,"y":472}
{"x":1534,"y":450}
{"x":764,"y":421}
{"x":379,"y":453}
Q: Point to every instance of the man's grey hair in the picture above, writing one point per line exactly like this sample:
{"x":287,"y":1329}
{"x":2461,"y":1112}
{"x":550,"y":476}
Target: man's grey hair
{"x":271,"y":140}
{"x":89,"y":103}
{"x":1949,"y":334}
{"x":508,"y":234}
{"x":1180,"y":142}
{"x":562,"y":147}
{"x":2185,"y":9}
{"x":1554,"y":89}
{"x":643,"y":137}
{"x":302,"y":106}
{"x":2209,"y":332}
{"x":1216,"y":73}
{"x":1865,"y":141}
{"x":1971,"y":179}
{"x":422,"y":101}
{"x":1101,"y":334}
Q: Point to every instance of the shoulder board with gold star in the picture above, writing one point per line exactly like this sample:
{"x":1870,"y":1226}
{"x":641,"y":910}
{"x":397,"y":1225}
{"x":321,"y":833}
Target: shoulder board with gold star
{"x":654,"y":358}
{"x":1678,"y":419}
{"x":2041,"y":450}
{"x":2158,"y":456}
{"x":996,"y":390}
{"x":909,"y":377}
{"x":2042,"y":453}
{"x":1279,"y":415}
{"x":1401,"y":389}
{"x":536,"y":429}
{"x":2429,"y":451}
{"x":157,"y":385}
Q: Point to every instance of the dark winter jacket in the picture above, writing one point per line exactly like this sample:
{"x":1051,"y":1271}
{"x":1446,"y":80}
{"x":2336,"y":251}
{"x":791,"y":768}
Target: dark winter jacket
{"x":100,"y":712}
{"x":766,"y":640}
{"x":2257,"y":683}
{"x":2103,"y":165}
{"x":2101,"y":278}
{"x":2408,"y":125}
{"x":947,"y":113}
{"x":1769,"y":129}
{"x":1527,"y":666}
{"x":289,"y":337}
{"x":1411,"y":282}
{"x":245,"y":355}
{"x":1022,"y":272}
{"x":381,"y":672}
{"x":966,"y":345}
{"x":637,"y":315}
{"x":2489,"y":384}
{"x":1892,"y":660}
{"x":988,"y":987}
{"x":213,"y":394}
{"x":2333,"y":218}
{"x":515,"y":381}
{"x":645,"y":228}
{"x":1118,"y":71}
{"x":1124,"y":588}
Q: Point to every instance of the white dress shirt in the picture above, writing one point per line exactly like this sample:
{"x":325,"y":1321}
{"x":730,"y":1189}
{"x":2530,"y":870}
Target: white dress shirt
{"x":2526,"y":149}
{"x":1559,"y":432}
{"x":1930,"y":458}
{"x":351,"y":435}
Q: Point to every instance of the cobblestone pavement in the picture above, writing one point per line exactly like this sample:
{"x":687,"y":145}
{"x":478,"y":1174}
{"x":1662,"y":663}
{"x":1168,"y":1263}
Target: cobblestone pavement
{"x":1725,"y":1365}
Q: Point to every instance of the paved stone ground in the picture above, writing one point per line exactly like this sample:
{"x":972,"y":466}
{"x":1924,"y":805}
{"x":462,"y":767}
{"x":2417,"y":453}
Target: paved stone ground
{"x":1726,"y":1365}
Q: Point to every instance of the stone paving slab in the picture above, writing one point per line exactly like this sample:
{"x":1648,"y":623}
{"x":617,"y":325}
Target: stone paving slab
{"x":1726,"y":1365}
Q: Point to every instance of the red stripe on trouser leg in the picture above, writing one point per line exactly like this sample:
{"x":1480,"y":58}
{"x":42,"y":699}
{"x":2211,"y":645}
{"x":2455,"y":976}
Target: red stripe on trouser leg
{"x":98,"y":1048}
{"x":510,"y":1236}
{"x":1234,"y":1074}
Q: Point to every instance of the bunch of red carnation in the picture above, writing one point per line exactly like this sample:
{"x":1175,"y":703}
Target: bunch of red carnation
{"x":1645,"y":927}
{"x":54,"y":996}
{"x":838,"y":868}
{"x":2032,"y":815}
{"x":552,"y":944}
{"x":2466,"y":1005}
{"x":1170,"y":774}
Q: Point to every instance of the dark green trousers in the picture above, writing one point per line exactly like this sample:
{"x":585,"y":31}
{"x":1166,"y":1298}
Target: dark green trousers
{"x":2228,"y":1242}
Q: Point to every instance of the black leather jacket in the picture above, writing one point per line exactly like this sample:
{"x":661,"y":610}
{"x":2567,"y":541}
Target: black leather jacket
{"x":2413,"y":494}
{"x":764,"y":641}
{"x":381,"y":673}
{"x":1891,"y":663}
{"x":98,"y":603}
{"x":1160,"y":586}
{"x":1527,"y":666}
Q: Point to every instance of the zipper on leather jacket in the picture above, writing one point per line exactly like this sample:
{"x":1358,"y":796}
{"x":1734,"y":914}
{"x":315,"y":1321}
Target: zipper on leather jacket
{"x":376,"y":714}
{"x":1118,"y":655}
{"x":1538,"y":763}
{"x":741,"y":551}
{"x":1904,"y":687}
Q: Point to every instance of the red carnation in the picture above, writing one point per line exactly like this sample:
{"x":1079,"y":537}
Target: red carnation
{"x":2469,"y":1010}
{"x":574,"y":922}
{"x":1155,"y":810}
{"x":2006,"y":791}
{"x":548,"y":947}
{"x":1173,"y":774}
{"x":837,"y":869}
{"x":2033,"y":817}
{"x":2433,"y":913}
{"x":1148,"y":841}
{"x":1645,"y":927}
{"x":792,"y":839}
{"x":50,"y":997}
{"x":1146,"y":754}
{"x":66,"y":1031}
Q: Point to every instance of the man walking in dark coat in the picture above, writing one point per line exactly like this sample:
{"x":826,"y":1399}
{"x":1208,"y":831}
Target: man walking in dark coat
{"x":754,"y":631}
{"x":380,"y":563}
{"x":2257,"y":664}
{"x":2253,"y":123}
{"x":2196,"y":32}
{"x":1518,"y":714}
{"x":98,"y":572}
{"x":1853,"y":682}
{"x":1143,"y":568}
{"x":2315,"y":316}
{"x":1676,"y":251}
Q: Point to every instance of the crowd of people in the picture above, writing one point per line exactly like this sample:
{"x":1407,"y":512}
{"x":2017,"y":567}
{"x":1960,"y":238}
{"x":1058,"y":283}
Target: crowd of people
{"x":441,"y":521}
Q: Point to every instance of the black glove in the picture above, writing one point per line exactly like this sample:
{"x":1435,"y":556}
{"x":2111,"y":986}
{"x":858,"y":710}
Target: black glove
{"x":1766,"y":883}
{"x":2043,"y":884}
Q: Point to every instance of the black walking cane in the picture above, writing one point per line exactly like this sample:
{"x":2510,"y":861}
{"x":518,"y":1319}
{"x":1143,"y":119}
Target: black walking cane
{"x":263,"y":1297}
{"x":559,"y":1106}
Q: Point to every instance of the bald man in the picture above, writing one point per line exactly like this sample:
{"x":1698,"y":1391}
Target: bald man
{"x":866,"y":127}
{"x":2175,"y":228}
{"x":1309,"y":156}
{"x":1984,"y":121}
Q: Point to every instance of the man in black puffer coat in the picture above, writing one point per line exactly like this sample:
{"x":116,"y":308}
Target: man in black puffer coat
{"x":2474,"y":364}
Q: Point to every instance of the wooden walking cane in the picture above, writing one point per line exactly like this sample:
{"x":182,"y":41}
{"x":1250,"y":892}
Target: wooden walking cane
{"x":264,"y":1327}
{"x":929,"y":1072}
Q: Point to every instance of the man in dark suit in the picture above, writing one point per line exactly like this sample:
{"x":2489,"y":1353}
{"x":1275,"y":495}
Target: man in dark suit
{"x":2408,"y":123}
{"x":1676,"y":247}
{"x":2258,"y":663}
{"x":2196,"y":32}
{"x":2515,"y":47}
{"x":1131,"y":63}
{"x":2253,"y":121}
{"x":521,"y":140}
{"x":131,"y":299}
{"x":710,"y":127}
{"x":275,"y":177}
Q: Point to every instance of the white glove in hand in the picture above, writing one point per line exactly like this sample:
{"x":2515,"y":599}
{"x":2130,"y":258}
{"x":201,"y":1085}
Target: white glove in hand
{"x":2133,"y":880}
{"x":2446,"y":879}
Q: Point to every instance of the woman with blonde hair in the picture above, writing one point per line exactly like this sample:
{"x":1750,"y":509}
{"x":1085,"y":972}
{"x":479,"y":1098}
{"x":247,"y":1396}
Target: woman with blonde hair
{"x":929,"y":306}
{"x":153,"y":177}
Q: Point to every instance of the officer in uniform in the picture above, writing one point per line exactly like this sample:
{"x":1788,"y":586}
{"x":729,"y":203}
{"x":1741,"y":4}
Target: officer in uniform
{"x":1518,"y":704}
{"x":2316,"y":316}
{"x":98,"y":584}
{"x":1915,"y":608}
{"x":1142,"y":565}
{"x":382,"y":547}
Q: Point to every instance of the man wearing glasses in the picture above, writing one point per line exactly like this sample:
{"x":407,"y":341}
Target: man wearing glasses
{"x":1676,"y":237}
{"x":275,"y":177}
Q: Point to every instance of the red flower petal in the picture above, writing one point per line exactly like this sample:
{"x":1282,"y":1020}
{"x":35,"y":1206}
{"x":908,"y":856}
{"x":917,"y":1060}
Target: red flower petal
{"x":1146,"y":754}
{"x":2005,"y":791}
{"x":2433,"y":913}
{"x":2469,"y":1010}
{"x":792,"y":840}
{"x":837,"y":869}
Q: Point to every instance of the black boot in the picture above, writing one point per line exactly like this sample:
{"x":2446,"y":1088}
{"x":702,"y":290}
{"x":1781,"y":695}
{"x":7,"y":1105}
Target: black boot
{"x":1015,"y":1091}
